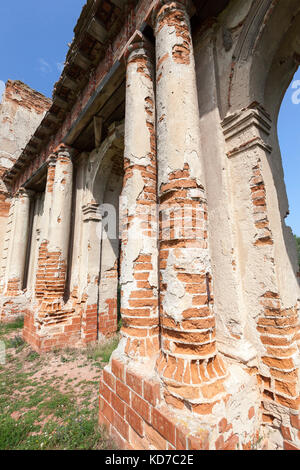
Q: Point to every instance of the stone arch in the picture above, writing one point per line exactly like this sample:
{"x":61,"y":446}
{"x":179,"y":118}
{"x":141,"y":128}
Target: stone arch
{"x":244,"y":63}
{"x":108,"y":293}
{"x":265,"y":60}
{"x":94,"y":175}
{"x":265,"y":56}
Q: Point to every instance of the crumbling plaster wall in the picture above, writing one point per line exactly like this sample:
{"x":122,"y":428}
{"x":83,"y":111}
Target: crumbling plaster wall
{"x":241,"y":81}
{"x":97,"y":182}
{"x":223,"y":92}
{"x":230,"y":323}
{"x":21,"y":111}
{"x":39,"y":225}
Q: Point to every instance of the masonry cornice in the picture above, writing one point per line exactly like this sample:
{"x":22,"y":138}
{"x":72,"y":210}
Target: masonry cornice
{"x":91,"y":212}
{"x":25,"y":193}
{"x":246,"y":129}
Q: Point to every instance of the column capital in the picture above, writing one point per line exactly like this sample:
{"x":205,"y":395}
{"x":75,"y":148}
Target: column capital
{"x":23,"y":193}
{"x":61,"y":151}
{"x":247,"y":128}
{"x":51,"y":160}
{"x":65,"y":149}
{"x":138,"y":45}
{"x":139,"y":55}
{"x":163,"y":8}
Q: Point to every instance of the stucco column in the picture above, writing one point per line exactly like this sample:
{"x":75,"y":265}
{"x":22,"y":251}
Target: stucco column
{"x":268,"y":283}
{"x":18,"y":242}
{"x":188,"y":360}
{"x":92,"y":223}
{"x":54,"y":248}
{"x":139,"y":296}
{"x":60,"y":218}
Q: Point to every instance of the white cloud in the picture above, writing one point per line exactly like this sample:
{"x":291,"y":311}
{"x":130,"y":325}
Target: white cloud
{"x":2,"y":89}
{"x":44,"y":66}
{"x":60,"y":66}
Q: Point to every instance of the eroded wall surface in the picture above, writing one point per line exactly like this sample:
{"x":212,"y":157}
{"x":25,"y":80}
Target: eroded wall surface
{"x":209,"y":350}
{"x":21,"y":111}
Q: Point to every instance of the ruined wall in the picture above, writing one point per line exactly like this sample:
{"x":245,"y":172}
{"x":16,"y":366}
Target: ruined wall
{"x":253,"y":274}
{"x":129,"y":16}
{"x":98,"y":181}
{"x":21,"y":111}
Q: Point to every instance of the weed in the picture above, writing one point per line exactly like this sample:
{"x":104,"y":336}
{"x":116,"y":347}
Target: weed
{"x":103,"y":351}
{"x":16,"y":342}
{"x":15,"y":325}
{"x":32,"y":356}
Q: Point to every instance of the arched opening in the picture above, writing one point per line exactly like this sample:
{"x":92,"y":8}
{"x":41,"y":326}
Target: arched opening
{"x":254,"y":256}
{"x":289,"y":140}
{"x":95,"y":255}
{"x":265,"y":60}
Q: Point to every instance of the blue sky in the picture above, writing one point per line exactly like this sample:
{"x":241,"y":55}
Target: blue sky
{"x":34,"y":37}
{"x":289,"y":138}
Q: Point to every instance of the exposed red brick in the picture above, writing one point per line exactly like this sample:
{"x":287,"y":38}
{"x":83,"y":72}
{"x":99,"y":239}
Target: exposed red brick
{"x":164,"y":426}
{"x":135,"y":421}
{"x":118,"y":369}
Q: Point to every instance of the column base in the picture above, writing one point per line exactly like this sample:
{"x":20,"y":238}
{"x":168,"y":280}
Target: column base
{"x":133,"y":409}
{"x":61,"y":329}
{"x":53,"y":324}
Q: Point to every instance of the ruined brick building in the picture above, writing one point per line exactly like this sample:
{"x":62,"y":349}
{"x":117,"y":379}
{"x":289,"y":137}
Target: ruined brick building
{"x":167,"y":112}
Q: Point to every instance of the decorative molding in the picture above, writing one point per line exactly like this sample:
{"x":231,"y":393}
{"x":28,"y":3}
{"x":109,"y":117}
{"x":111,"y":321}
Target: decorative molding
{"x":25,"y":193}
{"x":246,"y":129}
{"x":250,"y":31}
{"x":91,"y":212}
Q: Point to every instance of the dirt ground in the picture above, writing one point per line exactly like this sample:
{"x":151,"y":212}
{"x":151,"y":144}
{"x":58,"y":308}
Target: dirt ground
{"x":50,"y":401}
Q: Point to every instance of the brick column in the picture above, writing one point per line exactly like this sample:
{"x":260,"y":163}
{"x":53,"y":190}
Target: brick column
{"x":139,"y":297}
{"x":188,"y":363}
{"x":53,"y":251}
{"x":18,"y":242}
{"x":54,"y":323}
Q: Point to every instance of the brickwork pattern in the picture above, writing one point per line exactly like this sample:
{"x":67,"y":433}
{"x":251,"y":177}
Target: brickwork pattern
{"x":139,"y":297}
{"x":278,"y":328}
{"x":188,"y":360}
{"x":108,"y":308}
{"x":131,"y":407}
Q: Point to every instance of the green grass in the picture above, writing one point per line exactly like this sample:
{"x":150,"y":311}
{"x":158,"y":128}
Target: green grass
{"x":32,"y":356}
{"x":16,"y":342}
{"x":103,"y":351}
{"x":57,"y":412}
{"x":6,"y":328}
